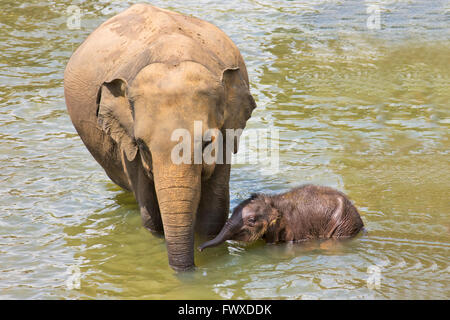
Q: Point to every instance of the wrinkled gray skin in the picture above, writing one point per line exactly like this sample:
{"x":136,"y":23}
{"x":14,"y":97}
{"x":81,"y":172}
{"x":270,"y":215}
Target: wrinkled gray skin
{"x":136,"y":78}
{"x":306,"y":212}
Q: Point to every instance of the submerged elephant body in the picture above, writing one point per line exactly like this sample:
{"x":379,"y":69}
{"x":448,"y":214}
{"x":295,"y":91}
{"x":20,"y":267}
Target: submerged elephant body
{"x":306,"y":212}
{"x":138,"y":77}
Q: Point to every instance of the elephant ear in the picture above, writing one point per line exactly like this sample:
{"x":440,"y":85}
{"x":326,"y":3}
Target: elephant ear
{"x":115,"y":115}
{"x":240,"y":102}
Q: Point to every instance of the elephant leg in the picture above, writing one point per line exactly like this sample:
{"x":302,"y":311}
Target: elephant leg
{"x":148,"y":204}
{"x":144,"y":191}
{"x":336,"y":218}
{"x":214,"y":202}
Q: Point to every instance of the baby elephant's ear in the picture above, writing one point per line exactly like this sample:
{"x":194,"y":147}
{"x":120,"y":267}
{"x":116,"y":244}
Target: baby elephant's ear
{"x":254,"y":196}
{"x":115,"y":115}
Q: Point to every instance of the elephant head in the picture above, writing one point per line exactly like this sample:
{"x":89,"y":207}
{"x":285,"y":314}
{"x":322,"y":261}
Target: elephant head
{"x":250,"y":221}
{"x":141,"y":117}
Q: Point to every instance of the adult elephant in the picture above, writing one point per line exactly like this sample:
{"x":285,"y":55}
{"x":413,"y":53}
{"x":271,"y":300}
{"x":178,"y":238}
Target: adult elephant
{"x":139,"y":76}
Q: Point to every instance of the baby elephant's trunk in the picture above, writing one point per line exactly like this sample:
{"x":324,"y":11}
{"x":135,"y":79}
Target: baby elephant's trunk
{"x":225,"y":234}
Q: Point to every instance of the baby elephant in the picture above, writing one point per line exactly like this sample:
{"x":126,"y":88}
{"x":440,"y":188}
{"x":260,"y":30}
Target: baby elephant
{"x":306,"y":212}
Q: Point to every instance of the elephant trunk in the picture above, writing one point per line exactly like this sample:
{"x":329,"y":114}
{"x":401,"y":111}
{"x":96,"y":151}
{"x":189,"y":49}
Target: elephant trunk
{"x":178,"y":191}
{"x":226,"y":233}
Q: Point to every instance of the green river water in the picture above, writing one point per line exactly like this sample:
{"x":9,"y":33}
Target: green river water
{"x":359,"y":106}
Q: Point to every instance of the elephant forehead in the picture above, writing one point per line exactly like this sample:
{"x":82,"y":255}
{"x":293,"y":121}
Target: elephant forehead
{"x":254,"y":208}
{"x":179,"y":95}
{"x":166,"y":113}
{"x":168,"y":78}
{"x":247,"y":211}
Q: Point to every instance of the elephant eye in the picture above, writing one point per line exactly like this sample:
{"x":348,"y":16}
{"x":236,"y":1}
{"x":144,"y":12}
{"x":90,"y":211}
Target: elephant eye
{"x":251,"y":220}
{"x":132,"y":108}
{"x":144,"y":150}
{"x":207,"y":143}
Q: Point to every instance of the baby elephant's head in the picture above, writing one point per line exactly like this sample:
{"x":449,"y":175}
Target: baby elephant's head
{"x":249,"y":221}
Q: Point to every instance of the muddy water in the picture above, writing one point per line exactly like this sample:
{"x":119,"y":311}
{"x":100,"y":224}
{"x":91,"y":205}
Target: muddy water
{"x":359,"y":105}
